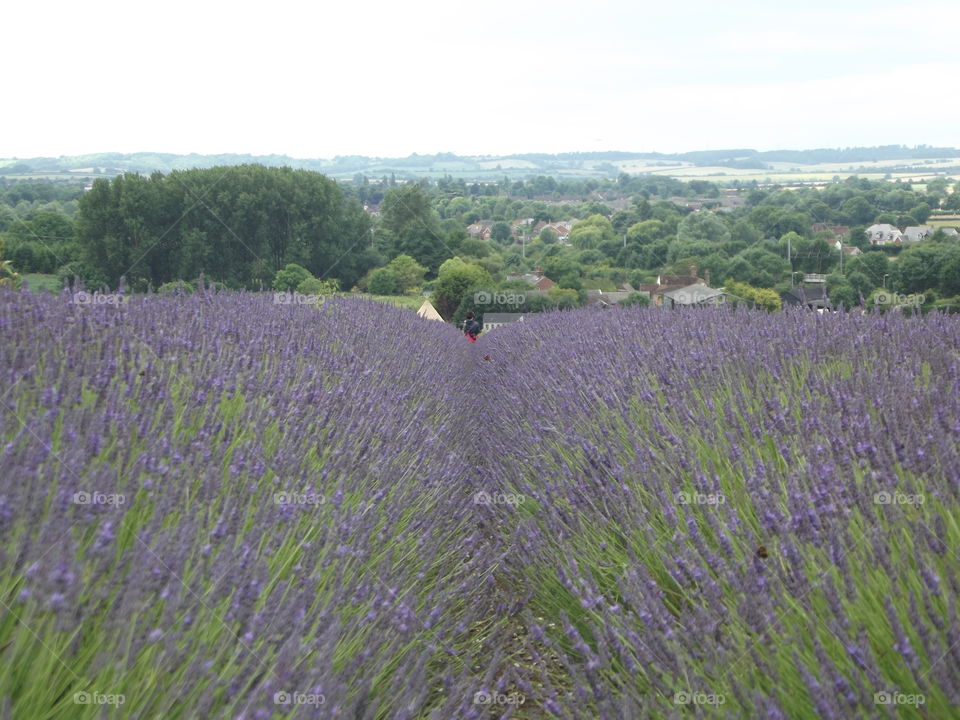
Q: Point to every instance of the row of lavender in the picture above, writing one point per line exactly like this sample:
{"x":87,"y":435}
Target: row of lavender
{"x":729,"y":514}
{"x":217,"y":506}
{"x":220,"y":506}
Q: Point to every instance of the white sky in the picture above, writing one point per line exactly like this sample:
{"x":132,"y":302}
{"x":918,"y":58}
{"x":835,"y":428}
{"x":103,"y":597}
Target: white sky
{"x":389,"y":78}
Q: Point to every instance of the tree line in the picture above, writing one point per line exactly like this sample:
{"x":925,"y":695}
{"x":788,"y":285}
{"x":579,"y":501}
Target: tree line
{"x":237,"y":225}
{"x":242,"y":225}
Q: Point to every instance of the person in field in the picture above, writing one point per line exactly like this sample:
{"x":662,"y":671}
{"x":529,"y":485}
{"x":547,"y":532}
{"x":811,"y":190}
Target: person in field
{"x":471,"y":328}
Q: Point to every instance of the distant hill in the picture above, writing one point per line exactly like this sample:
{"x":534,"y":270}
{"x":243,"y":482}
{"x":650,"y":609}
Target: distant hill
{"x":571,"y":164}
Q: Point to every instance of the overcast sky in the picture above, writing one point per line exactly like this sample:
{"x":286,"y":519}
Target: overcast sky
{"x":389,"y":78}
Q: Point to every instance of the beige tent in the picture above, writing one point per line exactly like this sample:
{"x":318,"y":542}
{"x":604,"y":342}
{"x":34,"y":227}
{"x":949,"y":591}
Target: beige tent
{"x":429,"y":312}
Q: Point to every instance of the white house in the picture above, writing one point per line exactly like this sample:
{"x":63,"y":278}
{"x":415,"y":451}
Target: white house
{"x":495,"y":320}
{"x":883,"y":234}
{"x":697,"y":294}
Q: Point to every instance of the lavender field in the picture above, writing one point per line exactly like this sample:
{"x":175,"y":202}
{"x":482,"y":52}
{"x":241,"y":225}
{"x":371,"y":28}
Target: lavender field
{"x":214,"y":506}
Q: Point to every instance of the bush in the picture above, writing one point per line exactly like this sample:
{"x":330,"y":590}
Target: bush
{"x":30,"y":257}
{"x":383,"y":282}
{"x":759,"y":297}
{"x":315,"y":286}
{"x":948,"y":305}
{"x":91,"y":277}
{"x":570,"y":281}
{"x":290,"y":277}
{"x":636,"y":298}
{"x":409,"y":273}
{"x":8,"y":278}
{"x":843,"y":296}
{"x":177,"y":287}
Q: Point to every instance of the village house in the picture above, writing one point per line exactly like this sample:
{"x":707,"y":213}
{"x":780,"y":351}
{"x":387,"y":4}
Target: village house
{"x":562,"y":229}
{"x":668,"y":283}
{"x":536,"y":278}
{"x":599,"y":298}
{"x":480,"y":230}
{"x":884,"y":234}
{"x":814,"y":298}
{"x":696,"y":295}
{"x":841,"y":232}
{"x":689,"y":203}
{"x":491,"y":321}
{"x":848,"y":250}
{"x":916,"y":233}
{"x":542,"y":282}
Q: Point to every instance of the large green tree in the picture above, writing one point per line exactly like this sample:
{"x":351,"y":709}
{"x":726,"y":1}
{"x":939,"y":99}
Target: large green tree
{"x":918,"y":269}
{"x":238,"y":225}
{"x":455,"y":280}
{"x":592,"y":233}
{"x":950,"y":273}
{"x":407,"y":271}
{"x":501,"y":232}
{"x":412,"y":226}
{"x":646,"y":232}
{"x":758,"y":267}
{"x":875,"y":265}
{"x":702,"y":226}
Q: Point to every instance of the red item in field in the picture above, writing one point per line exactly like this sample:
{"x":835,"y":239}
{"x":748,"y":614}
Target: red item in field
{"x":471,"y":338}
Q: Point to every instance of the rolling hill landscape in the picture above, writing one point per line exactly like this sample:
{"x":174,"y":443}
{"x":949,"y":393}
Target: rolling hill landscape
{"x":886,"y":162}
